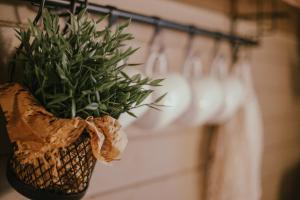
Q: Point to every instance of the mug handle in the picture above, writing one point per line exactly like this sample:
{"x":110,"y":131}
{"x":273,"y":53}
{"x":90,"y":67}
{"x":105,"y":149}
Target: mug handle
{"x":219,"y":67}
{"x":193,"y":66}
{"x":154,"y":58}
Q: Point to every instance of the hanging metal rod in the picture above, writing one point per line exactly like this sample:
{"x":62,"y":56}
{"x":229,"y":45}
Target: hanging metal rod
{"x":163,"y":23}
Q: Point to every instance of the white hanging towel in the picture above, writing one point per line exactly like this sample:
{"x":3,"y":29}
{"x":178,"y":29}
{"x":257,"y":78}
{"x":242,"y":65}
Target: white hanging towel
{"x":235,"y":168}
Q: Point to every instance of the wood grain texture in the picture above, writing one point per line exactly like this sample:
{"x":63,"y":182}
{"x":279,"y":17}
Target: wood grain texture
{"x":149,"y":158}
{"x":176,"y":187}
{"x":170,"y":164}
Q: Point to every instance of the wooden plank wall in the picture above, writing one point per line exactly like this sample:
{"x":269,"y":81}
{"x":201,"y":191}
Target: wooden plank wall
{"x":279,"y":95}
{"x":170,"y":164}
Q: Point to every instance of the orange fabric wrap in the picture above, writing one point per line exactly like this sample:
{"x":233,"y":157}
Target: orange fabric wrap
{"x":37,"y":131}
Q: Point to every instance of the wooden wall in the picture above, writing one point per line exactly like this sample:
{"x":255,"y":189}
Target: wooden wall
{"x":171,"y":164}
{"x":278,"y":92}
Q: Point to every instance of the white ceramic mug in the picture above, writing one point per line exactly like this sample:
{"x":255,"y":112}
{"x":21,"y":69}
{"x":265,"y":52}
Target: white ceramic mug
{"x":174,"y":103}
{"x":234,"y":90}
{"x":207,"y":94}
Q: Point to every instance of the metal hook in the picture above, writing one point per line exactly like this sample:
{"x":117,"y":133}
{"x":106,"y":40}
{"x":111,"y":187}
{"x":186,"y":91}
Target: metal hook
{"x":235,"y":51}
{"x":156,"y":34}
{"x":191,"y":40}
{"x":156,"y":53}
{"x":157,"y":22}
{"x":73,"y":6}
{"x":86,"y":4}
{"x":40,"y":12}
{"x":192,"y":66}
{"x":192,"y":30}
{"x":112,"y":18}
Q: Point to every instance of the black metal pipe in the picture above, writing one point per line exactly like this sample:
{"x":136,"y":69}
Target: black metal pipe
{"x":99,"y":9}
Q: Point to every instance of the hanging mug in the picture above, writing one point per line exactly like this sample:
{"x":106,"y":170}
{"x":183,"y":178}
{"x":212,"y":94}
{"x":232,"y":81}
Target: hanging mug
{"x":233,"y":87}
{"x":175,"y":86}
{"x":207,"y":94}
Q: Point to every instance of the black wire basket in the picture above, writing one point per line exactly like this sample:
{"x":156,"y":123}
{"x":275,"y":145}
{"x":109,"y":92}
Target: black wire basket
{"x":73,"y":175}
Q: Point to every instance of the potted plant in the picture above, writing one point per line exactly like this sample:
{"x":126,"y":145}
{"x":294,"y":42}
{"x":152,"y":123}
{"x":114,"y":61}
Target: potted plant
{"x":63,"y":115}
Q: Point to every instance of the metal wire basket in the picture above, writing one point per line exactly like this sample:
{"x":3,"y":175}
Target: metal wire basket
{"x":73,"y":175}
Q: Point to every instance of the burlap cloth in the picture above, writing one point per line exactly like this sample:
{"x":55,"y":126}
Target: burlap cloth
{"x":235,"y":167}
{"x":38,"y":132}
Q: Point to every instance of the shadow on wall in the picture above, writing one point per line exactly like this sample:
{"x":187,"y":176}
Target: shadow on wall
{"x":4,"y":59}
{"x":290,"y":184}
{"x":296,"y":65}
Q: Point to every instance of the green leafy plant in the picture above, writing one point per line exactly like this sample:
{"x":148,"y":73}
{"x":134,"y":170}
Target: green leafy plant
{"x":76,"y":71}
